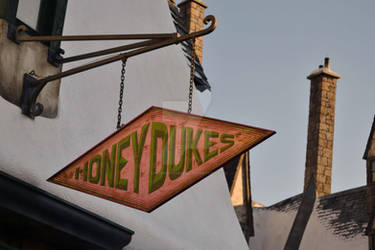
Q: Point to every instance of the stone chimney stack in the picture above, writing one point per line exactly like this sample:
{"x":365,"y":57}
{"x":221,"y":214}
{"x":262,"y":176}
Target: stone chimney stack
{"x":321,"y":128}
{"x":192,"y":12}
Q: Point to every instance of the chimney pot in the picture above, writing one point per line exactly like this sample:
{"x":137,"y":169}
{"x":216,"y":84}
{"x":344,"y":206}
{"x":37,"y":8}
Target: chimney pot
{"x":326,"y":62}
{"x":324,"y":69}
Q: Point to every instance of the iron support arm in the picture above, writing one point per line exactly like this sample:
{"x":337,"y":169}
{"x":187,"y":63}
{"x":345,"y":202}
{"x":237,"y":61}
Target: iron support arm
{"x":32,"y":86}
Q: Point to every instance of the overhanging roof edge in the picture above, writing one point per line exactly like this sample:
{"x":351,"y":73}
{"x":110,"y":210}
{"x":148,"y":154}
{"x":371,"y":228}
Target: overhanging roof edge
{"x":39,"y":205}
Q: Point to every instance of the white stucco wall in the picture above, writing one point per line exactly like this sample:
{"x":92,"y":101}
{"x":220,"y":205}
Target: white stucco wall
{"x":271,"y":228}
{"x":200,"y":218}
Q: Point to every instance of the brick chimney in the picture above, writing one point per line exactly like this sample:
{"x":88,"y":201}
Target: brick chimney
{"x":192,"y":12}
{"x":321,"y":128}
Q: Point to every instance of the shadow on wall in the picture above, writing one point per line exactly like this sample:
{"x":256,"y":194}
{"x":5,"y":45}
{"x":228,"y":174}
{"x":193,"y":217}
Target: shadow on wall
{"x":18,"y":59}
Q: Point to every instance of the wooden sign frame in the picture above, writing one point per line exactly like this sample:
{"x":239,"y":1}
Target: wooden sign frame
{"x":136,"y":165}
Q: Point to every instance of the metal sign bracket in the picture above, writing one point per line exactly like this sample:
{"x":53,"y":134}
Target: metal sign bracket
{"x":33,"y":86}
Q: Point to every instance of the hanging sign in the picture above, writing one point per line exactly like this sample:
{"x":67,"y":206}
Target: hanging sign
{"x":157,"y":156}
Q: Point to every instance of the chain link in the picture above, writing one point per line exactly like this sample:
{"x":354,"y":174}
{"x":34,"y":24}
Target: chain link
{"x":120,"y":102}
{"x":192,"y":72}
{"x":191,"y":85}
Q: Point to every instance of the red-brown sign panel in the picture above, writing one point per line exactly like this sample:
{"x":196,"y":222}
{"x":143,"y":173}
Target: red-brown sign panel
{"x":156,"y":156}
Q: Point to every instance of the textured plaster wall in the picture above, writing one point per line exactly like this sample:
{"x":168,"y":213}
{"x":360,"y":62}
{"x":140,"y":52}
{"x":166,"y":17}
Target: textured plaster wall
{"x":271,"y":228}
{"x":200,"y":218}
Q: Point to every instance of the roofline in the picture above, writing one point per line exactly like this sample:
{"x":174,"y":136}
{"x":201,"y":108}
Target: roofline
{"x":347,"y":191}
{"x":45,"y":208}
{"x":369,"y":140}
{"x":285,"y":201}
{"x":295,"y":197}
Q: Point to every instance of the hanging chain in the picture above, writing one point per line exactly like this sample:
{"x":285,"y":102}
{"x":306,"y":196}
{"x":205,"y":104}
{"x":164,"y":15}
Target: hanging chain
{"x":121,"y":93}
{"x":192,"y":72}
{"x":191,"y":86}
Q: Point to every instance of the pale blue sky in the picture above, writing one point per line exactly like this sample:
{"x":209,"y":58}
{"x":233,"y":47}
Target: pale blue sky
{"x":257,"y":62}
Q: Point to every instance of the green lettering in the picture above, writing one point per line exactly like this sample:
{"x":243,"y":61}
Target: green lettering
{"x":137,"y":151}
{"x":224,"y":139}
{"x":192,"y":148}
{"x":207,"y":144}
{"x":85,"y":171}
{"x":96,"y":159}
{"x":156,"y":180}
{"x":120,"y":164}
{"x":175,"y":171}
{"x":108,"y":166}
{"x":76,"y":175}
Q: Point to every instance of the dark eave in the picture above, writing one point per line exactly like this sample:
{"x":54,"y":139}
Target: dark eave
{"x":230,"y":170}
{"x":369,"y":140}
{"x":48,"y":211}
{"x":200,"y":78}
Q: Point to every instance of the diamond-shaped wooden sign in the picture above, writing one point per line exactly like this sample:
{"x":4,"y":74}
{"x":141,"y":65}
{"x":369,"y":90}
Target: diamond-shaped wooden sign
{"x":157,"y":156}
